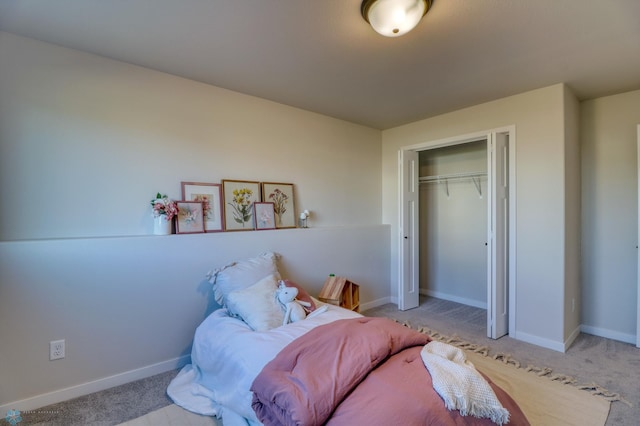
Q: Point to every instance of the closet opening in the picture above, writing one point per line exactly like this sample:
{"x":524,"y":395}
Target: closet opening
{"x":453,"y":223}
{"x":457,"y":224}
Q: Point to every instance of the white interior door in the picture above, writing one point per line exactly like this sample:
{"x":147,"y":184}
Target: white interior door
{"x":498,"y":236}
{"x":409,"y":278}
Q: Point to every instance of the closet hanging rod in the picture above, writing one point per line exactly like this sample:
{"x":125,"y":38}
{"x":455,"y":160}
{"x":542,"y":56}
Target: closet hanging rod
{"x":438,"y":178}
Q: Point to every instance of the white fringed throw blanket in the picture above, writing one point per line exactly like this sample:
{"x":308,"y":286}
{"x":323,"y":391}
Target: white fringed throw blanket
{"x":459,"y":384}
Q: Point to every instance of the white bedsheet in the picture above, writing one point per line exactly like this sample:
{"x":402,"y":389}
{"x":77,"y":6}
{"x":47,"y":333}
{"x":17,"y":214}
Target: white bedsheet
{"x":226,"y":357}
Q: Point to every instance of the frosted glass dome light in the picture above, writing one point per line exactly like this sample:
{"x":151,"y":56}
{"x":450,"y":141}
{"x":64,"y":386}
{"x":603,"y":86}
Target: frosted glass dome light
{"x":393,"y":18}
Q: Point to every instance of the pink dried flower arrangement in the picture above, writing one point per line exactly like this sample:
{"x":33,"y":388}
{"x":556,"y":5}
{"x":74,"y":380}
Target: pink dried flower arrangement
{"x":162,"y":205}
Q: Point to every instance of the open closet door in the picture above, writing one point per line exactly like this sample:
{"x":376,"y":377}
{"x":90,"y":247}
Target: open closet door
{"x":498,"y":236}
{"x":409,"y":273}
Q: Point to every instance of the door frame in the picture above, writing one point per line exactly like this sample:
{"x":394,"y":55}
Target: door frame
{"x":638,"y":254}
{"x":458,"y":140}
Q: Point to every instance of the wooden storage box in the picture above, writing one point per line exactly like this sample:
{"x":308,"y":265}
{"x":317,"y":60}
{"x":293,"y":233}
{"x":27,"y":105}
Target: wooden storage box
{"x":340,"y":291}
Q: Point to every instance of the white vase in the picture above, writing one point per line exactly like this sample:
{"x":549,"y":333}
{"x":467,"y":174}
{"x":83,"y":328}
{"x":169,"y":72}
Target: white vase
{"x":161,"y":226}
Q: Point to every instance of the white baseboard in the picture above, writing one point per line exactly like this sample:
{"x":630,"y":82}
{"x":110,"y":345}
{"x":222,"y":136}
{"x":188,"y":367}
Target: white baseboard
{"x":609,"y":334}
{"x":452,"y":298}
{"x":540,"y":341}
{"x":65,"y":394}
{"x":573,"y":336}
{"x":375,"y":303}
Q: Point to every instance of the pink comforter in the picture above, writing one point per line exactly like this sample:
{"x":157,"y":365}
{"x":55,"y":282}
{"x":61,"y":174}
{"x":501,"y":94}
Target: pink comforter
{"x":357,"y":371}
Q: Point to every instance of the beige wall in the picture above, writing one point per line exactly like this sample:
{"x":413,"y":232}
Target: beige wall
{"x":85,"y":143}
{"x":539,"y":119}
{"x":128,"y":306}
{"x":610,"y":215}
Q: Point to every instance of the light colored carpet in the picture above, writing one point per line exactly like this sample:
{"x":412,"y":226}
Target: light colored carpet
{"x":172,"y":415}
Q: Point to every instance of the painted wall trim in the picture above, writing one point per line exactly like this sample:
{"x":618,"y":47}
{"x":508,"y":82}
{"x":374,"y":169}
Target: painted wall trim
{"x":572,"y":337}
{"x":540,"y":341}
{"x":452,"y":298}
{"x":375,"y":303}
{"x":608,"y":334}
{"x":60,"y":395}
{"x":512,"y":285}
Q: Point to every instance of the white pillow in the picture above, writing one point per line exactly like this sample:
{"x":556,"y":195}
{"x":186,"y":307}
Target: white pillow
{"x":242,"y":274}
{"x":257,"y":304}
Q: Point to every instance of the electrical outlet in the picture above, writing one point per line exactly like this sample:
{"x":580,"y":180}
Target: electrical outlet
{"x":56,"y":349}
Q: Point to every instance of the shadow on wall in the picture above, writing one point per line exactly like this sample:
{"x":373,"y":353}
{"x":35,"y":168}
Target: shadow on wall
{"x":206,"y":290}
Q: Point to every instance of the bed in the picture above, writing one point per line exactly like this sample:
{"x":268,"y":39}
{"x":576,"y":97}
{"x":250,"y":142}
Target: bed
{"x":334,"y":367}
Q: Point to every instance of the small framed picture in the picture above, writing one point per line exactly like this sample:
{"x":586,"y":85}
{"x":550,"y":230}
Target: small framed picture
{"x":238,"y":197}
{"x":264,"y":216}
{"x":210,"y":195}
{"x":281,"y":195}
{"x":190,"y":217}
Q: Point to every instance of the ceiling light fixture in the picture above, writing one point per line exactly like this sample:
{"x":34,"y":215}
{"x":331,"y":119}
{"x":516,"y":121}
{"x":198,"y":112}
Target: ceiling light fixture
{"x":393,"y":18}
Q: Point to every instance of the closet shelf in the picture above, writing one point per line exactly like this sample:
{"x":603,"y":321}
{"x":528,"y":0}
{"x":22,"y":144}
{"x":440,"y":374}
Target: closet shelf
{"x":451,"y":176}
{"x":474,"y":176}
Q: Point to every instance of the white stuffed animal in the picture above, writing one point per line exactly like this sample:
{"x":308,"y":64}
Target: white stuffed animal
{"x":293,"y":309}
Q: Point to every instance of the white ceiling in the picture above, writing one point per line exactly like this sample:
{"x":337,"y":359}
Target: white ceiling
{"x":320,"y":55}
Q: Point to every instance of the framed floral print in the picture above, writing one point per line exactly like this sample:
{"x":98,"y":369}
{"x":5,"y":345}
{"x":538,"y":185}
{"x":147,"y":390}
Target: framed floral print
{"x":190,"y":217}
{"x":210,"y":195}
{"x":281,"y":195}
{"x":238,"y":197}
{"x":264,"y":215}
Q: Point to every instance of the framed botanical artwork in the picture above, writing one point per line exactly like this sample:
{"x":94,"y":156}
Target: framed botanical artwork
{"x":238,"y":197}
{"x":281,"y":195}
{"x":190,"y":217}
{"x":210,"y":195}
{"x":264,"y":215}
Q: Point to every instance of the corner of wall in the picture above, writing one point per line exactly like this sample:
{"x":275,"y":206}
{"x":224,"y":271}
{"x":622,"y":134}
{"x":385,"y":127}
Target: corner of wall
{"x":572,"y":212}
